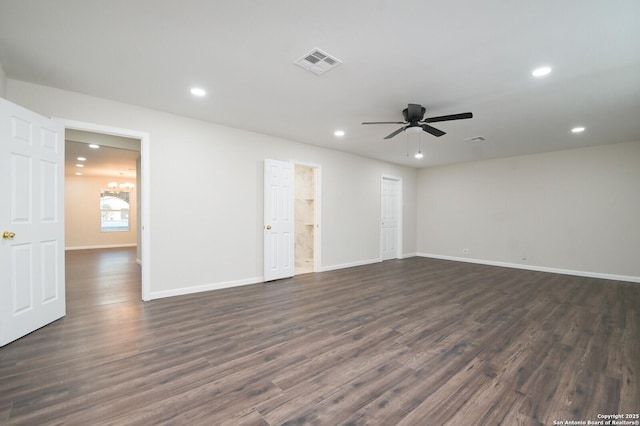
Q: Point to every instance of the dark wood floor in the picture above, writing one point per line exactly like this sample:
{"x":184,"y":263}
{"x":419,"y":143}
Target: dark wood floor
{"x":405,"y":342}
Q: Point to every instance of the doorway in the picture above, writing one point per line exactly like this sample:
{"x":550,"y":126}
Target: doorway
{"x":391,"y":218}
{"x":306,"y":218}
{"x":143,"y":256}
{"x":291,"y":219}
{"x":101,"y":188}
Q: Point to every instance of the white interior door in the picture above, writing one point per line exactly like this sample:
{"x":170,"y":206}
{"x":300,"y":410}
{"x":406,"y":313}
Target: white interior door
{"x":32,"y":290}
{"x":390,"y":214}
{"x":278,"y":220}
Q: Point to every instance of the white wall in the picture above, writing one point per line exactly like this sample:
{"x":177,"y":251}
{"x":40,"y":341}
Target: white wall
{"x":575,"y":210}
{"x":206,"y":192}
{"x":82,"y":215}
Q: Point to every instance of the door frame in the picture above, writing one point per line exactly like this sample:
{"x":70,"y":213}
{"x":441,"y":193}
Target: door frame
{"x":145,"y":179}
{"x":317,"y":204}
{"x":398,"y":209}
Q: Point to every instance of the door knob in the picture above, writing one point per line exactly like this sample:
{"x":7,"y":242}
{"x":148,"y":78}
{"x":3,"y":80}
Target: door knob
{"x":268,"y":227}
{"x":6,"y":235}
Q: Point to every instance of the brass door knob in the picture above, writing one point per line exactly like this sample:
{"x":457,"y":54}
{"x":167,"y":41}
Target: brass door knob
{"x":6,"y":235}
{"x":268,"y":227}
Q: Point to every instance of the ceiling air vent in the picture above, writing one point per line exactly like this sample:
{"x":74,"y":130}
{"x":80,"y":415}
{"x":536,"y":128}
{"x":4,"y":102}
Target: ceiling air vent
{"x":318,"y":61}
{"x":476,"y":139}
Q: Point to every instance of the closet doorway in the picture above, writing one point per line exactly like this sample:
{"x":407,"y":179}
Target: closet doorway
{"x":307,"y":220}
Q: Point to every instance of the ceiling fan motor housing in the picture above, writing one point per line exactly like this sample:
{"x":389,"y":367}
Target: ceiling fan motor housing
{"x":413,"y":113}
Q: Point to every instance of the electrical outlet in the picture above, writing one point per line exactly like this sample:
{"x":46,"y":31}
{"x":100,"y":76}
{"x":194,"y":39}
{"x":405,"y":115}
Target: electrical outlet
{"x":465,"y":251}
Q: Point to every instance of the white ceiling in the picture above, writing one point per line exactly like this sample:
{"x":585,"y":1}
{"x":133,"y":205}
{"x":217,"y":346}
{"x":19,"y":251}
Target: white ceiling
{"x":114,"y":159}
{"x":111,"y":163}
{"x":450,"y":56}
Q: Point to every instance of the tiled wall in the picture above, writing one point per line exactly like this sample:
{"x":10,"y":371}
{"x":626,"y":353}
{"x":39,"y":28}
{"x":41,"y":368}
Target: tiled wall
{"x":304,"y":218}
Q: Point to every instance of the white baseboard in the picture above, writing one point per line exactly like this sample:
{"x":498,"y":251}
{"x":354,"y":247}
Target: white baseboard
{"x":255,"y":280}
{"x":587,"y":274}
{"x":349,"y":265}
{"x":101,"y":246}
{"x":248,"y":281}
{"x":408,"y":255}
{"x":204,"y":287}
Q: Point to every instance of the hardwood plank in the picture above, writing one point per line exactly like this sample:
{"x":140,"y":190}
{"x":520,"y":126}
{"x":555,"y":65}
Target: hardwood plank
{"x":440,"y":406}
{"x":629,"y":347}
{"x":251,"y":418}
{"x":412,"y":341}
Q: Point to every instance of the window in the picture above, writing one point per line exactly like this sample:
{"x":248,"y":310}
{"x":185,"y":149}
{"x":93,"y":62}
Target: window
{"x":114,"y":211}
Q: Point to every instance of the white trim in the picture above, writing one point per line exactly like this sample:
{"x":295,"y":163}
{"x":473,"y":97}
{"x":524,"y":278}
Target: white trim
{"x":100,"y":246}
{"x":408,"y":255}
{"x":351,"y":264}
{"x":317,"y":234}
{"x":145,"y":201}
{"x":205,"y":287}
{"x":587,"y":274}
{"x":399,"y":213}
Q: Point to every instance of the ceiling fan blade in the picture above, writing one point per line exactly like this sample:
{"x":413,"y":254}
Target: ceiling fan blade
{"x":400,"y":130}
{"x":435,"y":132}
{"x":384,"y":122}
{"x":460,"y":116}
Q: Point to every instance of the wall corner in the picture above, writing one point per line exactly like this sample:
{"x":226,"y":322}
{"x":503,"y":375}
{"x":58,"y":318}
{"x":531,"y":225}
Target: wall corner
{"x":3,"y":83}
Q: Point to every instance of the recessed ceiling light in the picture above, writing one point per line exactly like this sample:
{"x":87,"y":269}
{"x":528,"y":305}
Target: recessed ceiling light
{"x":578,"y":129}
{"x":78,"y":174}
{"x":196,"y":91}
{"x":81,"y":159}
{"x":542,"y":71}
{"x":339,"y":133}
{"x":79,"y":165}
{"x":94,"y":146}
{"x":419,"y":155}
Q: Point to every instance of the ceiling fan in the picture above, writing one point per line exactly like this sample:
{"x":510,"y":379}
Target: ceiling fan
{"x":414,"y":120}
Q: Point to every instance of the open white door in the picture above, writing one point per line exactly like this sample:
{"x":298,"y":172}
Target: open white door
{"x":32,"y":288}
{"x":278,"y":220}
